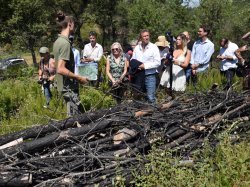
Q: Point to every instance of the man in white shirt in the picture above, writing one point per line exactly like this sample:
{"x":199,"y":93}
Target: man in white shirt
{"x":148,"y":53}
{"x":92,"y":52}
{"x":228,"y":60}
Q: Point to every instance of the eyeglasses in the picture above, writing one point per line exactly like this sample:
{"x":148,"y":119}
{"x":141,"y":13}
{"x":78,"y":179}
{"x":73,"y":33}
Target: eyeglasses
{"x":115,"y":49}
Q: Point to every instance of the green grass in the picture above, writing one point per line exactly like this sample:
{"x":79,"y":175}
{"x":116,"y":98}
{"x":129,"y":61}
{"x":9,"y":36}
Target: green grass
{"x":226,"y":165}
{"x":22,"y":100}
{"x":207,"y":79}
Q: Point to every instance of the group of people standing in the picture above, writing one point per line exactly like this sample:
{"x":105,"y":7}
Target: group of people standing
{"x":146,"y":65}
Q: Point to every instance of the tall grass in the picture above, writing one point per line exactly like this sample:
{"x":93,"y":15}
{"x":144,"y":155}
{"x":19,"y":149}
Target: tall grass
{"x":21,"y":105}
{"x":22,"y":101}
{"x":210,"y":77}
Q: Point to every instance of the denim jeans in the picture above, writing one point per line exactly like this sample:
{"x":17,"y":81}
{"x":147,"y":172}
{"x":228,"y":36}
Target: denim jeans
{"x":150,"y":85}
{"x":188,"y":73}
{"x":47,"y":92}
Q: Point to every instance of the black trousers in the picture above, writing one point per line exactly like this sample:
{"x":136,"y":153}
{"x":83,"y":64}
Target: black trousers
{"x":229,"y":74}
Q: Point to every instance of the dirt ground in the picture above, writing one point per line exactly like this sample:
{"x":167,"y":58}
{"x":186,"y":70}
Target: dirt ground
{"x":28,"y":58}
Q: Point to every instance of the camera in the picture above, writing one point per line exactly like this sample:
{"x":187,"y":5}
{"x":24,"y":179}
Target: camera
{"x":43,"y":81}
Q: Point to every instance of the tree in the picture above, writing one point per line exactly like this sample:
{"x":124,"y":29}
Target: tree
{"x":77,"y":9}
{"x":29,"y":22}
{"x":5,"y":14}
{"x":147,"y":14}
{"x":105,"y":13}
{"x":214,"y":14}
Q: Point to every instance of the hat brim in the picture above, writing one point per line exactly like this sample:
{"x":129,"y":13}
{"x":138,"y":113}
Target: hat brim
{"x":161,"y":44}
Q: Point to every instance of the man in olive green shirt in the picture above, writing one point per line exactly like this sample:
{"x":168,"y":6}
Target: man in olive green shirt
{"x":67,"y":81}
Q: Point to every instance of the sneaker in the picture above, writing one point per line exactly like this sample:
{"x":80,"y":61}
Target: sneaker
{"x":45,"y":106}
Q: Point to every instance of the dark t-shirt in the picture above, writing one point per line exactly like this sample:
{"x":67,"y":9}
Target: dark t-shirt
{"x":246,"y":54}
{"x":190,"y":45}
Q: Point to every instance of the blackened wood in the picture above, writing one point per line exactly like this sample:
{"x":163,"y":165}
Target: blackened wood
{"x":52,"y":126}
{"x":179,"y":140}
{"x":15,"y":179}
{"x":176,"y":134}
{"x":56,"y":137}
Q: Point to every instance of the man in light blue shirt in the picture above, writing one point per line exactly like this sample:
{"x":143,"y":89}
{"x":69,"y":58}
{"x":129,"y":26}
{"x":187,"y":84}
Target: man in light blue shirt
{"x":76,"y":54}
{"x":148,"y":53}
{"x":202,"y":51}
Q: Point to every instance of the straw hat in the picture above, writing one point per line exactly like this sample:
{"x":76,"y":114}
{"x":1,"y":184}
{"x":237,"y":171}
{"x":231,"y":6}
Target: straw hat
{"x":162,"y":42}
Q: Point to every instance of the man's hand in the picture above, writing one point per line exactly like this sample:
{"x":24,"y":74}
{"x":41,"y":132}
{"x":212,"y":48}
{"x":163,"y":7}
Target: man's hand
{"x":194,"y":72}
{"x":220,"y":57}
{"x":86,"y":60}
{"x":194,"y":66}
{"x":51,"y":78}
{"x":141,"y":67}
{"x":82,"y":80}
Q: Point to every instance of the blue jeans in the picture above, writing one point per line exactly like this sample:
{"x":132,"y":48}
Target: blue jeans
{"x":150,"y":85}
{"x":47,"y":92}
{"x":188,"y":72}
{"x":229,"y":74}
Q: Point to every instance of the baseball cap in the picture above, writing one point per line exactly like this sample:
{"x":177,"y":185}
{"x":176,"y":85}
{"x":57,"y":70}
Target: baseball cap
{"x":44,"y":50}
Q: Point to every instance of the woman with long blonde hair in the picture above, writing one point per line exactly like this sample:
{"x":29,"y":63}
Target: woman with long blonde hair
{"x":181,"y":59}
{"x":116,"y":69}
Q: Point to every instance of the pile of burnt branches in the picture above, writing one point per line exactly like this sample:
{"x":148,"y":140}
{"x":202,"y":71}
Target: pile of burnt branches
{"x":94,"y":147}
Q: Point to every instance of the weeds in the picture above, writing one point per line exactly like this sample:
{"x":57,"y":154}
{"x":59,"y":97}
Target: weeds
{"x":22,"y":100}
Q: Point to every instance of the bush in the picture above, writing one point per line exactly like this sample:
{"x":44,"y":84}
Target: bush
{"x":92,"y":98}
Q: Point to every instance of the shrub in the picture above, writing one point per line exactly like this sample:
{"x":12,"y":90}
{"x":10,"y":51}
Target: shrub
{"x":225,"y":165}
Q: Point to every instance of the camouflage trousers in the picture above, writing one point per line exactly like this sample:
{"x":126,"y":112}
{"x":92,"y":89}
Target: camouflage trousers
{"x":73,"y":102}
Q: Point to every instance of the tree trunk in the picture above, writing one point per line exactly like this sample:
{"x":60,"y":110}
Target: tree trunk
{"x":33,"y":56}
{"x":15,"y":179}
{"x":39,"y":131}
{"x":57,"y":137}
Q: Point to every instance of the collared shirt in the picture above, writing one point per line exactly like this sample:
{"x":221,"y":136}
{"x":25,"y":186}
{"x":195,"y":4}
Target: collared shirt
{"x":201,"y":54}
{"x":150,"y":57}
{"x":229,"y":51}
{"x":93,"y":52}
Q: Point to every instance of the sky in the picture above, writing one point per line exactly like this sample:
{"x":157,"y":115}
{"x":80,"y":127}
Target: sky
{"x":194,"y":3}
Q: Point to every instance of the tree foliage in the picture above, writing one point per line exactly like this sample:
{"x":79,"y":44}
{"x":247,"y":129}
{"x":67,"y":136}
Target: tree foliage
{"x":28,"y":24}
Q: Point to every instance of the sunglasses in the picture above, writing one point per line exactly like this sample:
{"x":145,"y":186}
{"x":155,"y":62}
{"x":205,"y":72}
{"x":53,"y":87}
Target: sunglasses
{"x":115,"y":49}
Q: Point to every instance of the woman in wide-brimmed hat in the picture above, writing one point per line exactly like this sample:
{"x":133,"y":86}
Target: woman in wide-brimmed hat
{"x":163,"y":46}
